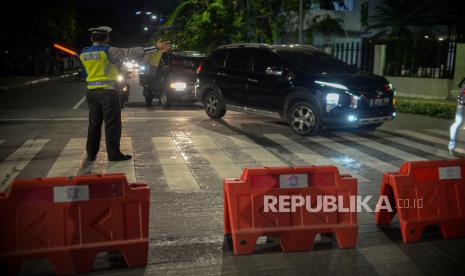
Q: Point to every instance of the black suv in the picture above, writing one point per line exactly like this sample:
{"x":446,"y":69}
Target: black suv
{"x":174,"y":78}
{"x":297,"y":83}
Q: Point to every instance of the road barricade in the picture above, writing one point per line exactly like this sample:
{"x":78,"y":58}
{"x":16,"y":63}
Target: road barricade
{"x":69,"y":220}
{"x":426,"y":193}
{"x":248,"y":213}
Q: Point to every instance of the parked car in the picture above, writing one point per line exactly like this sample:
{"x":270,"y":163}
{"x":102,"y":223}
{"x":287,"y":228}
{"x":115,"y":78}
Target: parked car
{"x":297,"y":83}
{"x":174,"y":78}
{"x":457,"y":130}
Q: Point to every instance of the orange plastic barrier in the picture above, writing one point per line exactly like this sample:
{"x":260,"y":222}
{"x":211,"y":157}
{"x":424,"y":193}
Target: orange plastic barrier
{"x":246,"y":220}
{"x":70,"y":220}
{"x":426,"y":193}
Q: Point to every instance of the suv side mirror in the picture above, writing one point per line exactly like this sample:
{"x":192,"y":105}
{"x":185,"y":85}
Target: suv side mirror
{"x":274,"y":71}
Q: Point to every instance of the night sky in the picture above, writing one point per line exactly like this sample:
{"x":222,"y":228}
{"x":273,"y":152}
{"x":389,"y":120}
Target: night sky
{"x":129,"y":30}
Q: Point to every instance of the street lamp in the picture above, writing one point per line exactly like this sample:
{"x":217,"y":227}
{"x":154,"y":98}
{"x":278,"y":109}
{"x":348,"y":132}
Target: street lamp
{"x":148,"y":13}
{"x":301,"y":22}
{"x":146,"y":29}
{"x":154,"y":17}
{"x":138,"y":12}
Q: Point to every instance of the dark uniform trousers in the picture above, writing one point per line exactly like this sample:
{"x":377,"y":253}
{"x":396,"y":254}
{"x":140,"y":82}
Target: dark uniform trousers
{"x":104,"y":106}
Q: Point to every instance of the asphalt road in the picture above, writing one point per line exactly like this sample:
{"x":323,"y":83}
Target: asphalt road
{"x":184,"y":156}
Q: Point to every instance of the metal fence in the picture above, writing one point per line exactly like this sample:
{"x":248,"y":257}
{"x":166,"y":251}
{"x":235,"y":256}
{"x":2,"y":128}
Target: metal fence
{"x":357,"y":54}
{"x":426,"y":58}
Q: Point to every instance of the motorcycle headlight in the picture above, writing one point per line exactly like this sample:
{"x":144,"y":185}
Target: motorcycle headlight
{"x":129,"y":65}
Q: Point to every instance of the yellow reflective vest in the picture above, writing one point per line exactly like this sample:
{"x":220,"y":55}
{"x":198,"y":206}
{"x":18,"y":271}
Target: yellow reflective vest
{"x":101,"y":73}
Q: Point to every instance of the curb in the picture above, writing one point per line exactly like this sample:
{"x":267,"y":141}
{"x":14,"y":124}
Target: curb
{"x":37,"y":81}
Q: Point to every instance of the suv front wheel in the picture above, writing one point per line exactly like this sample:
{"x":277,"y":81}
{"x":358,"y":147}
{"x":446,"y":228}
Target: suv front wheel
{"x":304,"y":118}
{"x":214,"y":105}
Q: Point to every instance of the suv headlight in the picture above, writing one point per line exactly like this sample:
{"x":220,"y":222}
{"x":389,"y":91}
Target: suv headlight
{"x":178,"y":86}
{"x":332,"y":100}
{"x":345,"y":99}
{"x":354,"y":101}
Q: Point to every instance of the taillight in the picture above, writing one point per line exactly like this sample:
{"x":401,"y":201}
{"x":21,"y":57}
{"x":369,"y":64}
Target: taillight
{"x":199,"y":68}
{"x":388,"y":87}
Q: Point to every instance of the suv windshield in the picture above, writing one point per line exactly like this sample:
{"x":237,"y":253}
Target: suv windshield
{"x":187,"y":64}
{"x":312,"y":61}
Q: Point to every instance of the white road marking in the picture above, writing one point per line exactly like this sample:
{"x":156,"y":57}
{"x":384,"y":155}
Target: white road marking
{"x":175,"y":170}
{"x":416,"y":145}
{"x":1,"y":141}
{"x":78,"y":104}
{"x":127,"y":167}
{"x":257,"y":152}
{"x":85,"y":119}
{"x":217,"y":158}
{"x":17,"y":161}
{"x":422,"y":136}
{"x":383,"y":147}
{"x":102,"y":165}
{"x":308,"y":155}
{"x":389,"y":260}
{"x":363,"y":158}
{"x":440,"y":132}
{"x":70,"y":159}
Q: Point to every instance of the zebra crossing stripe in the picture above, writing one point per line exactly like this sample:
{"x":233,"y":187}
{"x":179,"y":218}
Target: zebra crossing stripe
{"x":70,"y":159}
{"x":257,"y":152}
{"x":363,"y":158}
{"x":177,"y":174}
{"x":127,"y":167}
{"x":439,"y":131}
{"x":422,"y":136}
{"x":217,"y":158}
{"x":383,"y":147}
{"x":416,"y":145}
{"x":17,"y":161}
{"x":390,"y":250}
{"x":308,"y":155}
{"x":102,"y":165}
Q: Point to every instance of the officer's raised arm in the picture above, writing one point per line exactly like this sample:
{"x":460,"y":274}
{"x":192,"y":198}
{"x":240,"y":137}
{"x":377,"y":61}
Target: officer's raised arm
{"x":117,"y":54}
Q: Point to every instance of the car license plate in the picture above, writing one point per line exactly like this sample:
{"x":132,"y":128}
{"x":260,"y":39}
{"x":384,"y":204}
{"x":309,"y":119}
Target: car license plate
{"x":379,"y":102}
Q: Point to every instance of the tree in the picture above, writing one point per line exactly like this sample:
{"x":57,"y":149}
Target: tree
{"x":269,"y":19}
{"x":325,"y":25}
{"x":399,"y":17}
{"x":204,"y":25}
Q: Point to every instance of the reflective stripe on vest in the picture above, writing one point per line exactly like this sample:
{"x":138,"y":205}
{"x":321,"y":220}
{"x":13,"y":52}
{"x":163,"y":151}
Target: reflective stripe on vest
{"x":101,"y":73}
{"x":106,"y":84}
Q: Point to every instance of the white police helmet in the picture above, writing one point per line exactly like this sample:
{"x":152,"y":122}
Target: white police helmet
{"x":101,"y":29}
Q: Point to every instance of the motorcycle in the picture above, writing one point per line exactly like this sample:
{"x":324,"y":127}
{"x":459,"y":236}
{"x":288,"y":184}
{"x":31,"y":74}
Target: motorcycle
{"x":123,"y":89}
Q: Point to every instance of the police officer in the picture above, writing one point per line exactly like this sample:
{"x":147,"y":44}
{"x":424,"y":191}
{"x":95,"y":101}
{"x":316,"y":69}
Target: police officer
{"x":100,"y":65}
